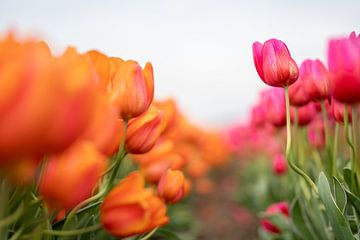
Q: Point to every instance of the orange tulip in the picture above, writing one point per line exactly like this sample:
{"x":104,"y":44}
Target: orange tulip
{"x":75,"y":97}
{"x":132,"y":209}
{"x":144,"y":131}
{"x":171,"y":186}
{"x":133,"y":88}
{"x":70,"y":177}
{"x":170,"y":111}
{"x":102,"y":66}
{"x":25,"y":97}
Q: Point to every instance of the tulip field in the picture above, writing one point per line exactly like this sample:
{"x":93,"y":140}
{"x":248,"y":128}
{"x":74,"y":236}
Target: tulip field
{"x":88,"y":152}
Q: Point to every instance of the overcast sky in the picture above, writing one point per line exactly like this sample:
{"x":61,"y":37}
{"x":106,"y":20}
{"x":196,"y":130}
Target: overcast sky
{"x":201,"y":50}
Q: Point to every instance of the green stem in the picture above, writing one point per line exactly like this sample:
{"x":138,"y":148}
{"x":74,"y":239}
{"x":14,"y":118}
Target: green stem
{"x":328,"y":143}
{"x":355,"y":129}
{"x":4,"y":197}
{"x":288,"y":144}
{"x":118,"y":159}
{"x":147,"y":236}
{"x":17,"y":234}
{"x":335,"y":147}
{"x":351,"y":145}
{"x":73,"y":232}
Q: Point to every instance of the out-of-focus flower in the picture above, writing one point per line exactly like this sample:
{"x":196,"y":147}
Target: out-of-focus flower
{"x":316,"y":79}
{"x":144,"y":131}
{"x":204,"y":185}
{"x":131,"y":209}
{"x":258,"y":116}
{"x":279,"y":164}
{"x":75,"y":97}
{"x":22,"y":172}
{"x":276,"y":208}
{"x":316,"y":133}
{"x":133,"y":88}
{"x":273,"y":101}
{"x":344,"y":69}
{"x":171,"y":186}
{"x":274,"y":64}
{"x":70,"y":177}
{"x":168,"y":107}
{"x":305,"y":114}
{"x":338,"y":111}
{"x":297,"y":93}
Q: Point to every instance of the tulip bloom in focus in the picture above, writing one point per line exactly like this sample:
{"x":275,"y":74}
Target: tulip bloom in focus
{"x":277,"y":208}
{"x":274,"y":64}
{"x":133,"y":88}
{"x":132,"y":209}
{"x":144,"y":131}
{"x":171,"y":186}
{"x":70,"y":177}
{"x":344,"y":69}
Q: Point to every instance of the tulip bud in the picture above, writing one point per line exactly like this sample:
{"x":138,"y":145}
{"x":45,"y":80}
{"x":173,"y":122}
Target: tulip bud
{"x":171,"y":186}
{"x":279,"y":165}
{"x":316,"y":79}
{"x":133,"y":88}
{"x":131,"y":209}
{"x":282,"y":208}
{"x":78,"y":170}
{"x":338,"y":111}
{"x":144,"y":131}
{"x":274,"y":103}
{"x":306,"y":114}
{"x":344,"y":69}
{"x":316,"y":133}
{"x":274,"y":64}
{"x":297,"y":93}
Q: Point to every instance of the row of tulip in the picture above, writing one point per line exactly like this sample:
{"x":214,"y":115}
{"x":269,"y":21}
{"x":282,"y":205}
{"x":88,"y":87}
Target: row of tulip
{"x":85,"y":152}
{"x":307,"y":121}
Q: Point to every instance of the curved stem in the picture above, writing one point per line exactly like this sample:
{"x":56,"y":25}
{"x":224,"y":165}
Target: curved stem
{"x":351,"y":145}
{"x":288,"y":143}
{"x":75,"y":232}
{"x":147,"y":236}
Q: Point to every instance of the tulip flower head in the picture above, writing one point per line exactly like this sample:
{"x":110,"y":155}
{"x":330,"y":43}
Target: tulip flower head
{"x":279,"y":165}
{"x":131,"y":209}
{"x":277,"y":208}
{"x":171,"y":186}
{"x":316,"y":79}
{"x":274,"y":63}
{"x":344,"y":69}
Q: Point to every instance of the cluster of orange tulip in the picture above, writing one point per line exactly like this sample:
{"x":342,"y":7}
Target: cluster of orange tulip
{"x":66,"y":124}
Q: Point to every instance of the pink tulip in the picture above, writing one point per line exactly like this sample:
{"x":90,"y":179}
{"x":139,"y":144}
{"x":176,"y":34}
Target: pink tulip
{"x":344,"y":68}
{"x":316,"y":79}
{"x":282,"y":208}
{"x":306,"y":114}
{"x":316,"y":133}
{"x":338,"y":111}
{"x":258,"y":116}
{"x":297,"y":93}
{"x":274,"y":64}
{"x":279,"y":165}
{"x":273,"y":101}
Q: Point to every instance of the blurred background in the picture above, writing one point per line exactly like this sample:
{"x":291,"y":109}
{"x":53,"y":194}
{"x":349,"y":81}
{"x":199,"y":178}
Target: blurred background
{"x":201,"y":50}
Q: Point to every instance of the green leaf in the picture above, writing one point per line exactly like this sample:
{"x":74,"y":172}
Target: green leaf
{"x":354,"y":200}
{"x":340,"y":195}
{"x":337,"y":220}
{"x":300,"y":222}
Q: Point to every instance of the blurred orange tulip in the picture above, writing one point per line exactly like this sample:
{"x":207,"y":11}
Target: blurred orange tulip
{"x":171,"y":186}
{"x":132,"y":209}
{"x":143,"y":131}
{"x":70,"y":177}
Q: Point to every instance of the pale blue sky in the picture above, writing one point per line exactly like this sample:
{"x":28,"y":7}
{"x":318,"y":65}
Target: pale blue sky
{"x":201,"y":50}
